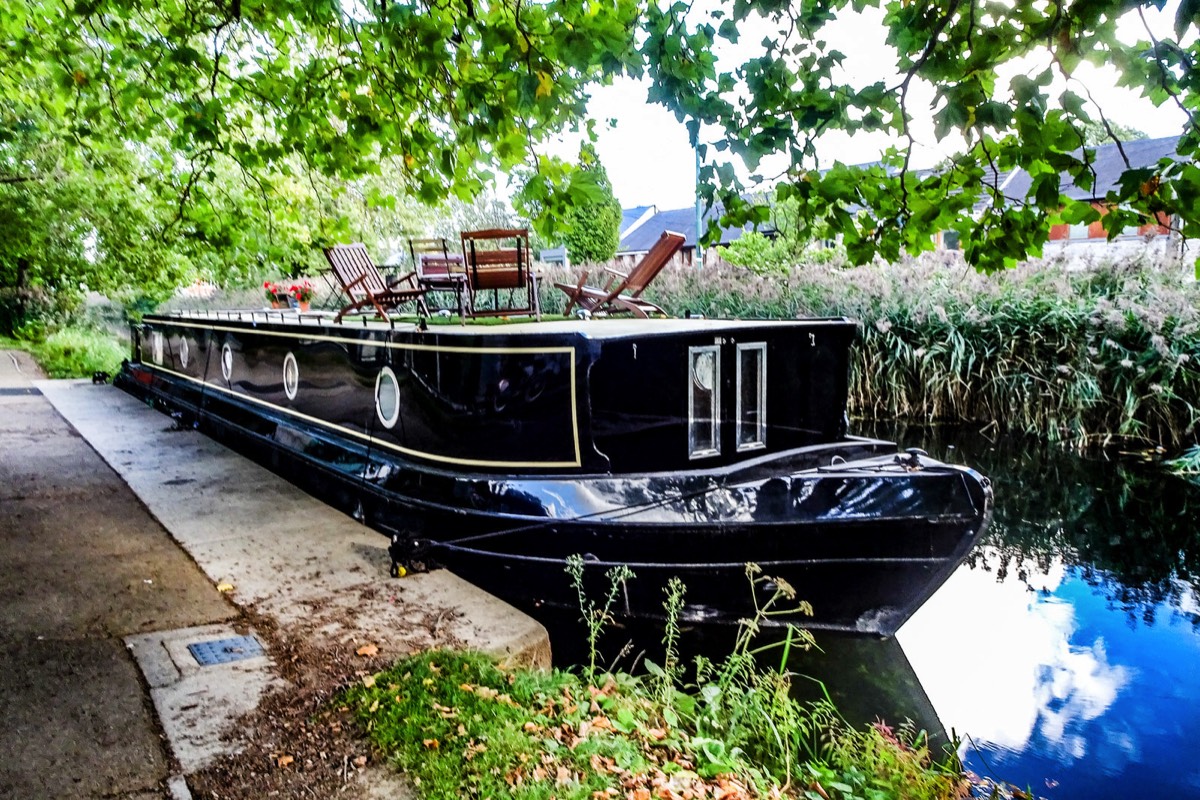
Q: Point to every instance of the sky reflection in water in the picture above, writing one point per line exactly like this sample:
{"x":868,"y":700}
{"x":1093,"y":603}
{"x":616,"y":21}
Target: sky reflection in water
{"x":1065,"y":680}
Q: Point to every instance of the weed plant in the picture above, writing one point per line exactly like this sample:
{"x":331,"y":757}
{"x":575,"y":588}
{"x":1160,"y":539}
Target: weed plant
{"x":1188,"y":462}
{"x":1075,"y":354}
{"x":596,"y":617}
{"x":74,"y":352}
{"x":462,"y":725}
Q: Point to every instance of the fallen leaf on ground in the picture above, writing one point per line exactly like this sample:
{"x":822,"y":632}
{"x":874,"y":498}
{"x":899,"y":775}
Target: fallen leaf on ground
{"x":367,"y":650}
{"x":224,"y":587}
{"x":283,"y":761}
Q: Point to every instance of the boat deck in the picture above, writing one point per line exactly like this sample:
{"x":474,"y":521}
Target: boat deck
{"x":597,"y":328}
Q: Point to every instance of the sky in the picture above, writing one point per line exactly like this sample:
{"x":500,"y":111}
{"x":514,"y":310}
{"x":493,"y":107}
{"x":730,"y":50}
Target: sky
{"x":650,"y":162}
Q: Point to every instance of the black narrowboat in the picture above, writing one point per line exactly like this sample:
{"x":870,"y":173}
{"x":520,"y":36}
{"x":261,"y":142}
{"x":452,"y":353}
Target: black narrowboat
{"x":680,"y":447}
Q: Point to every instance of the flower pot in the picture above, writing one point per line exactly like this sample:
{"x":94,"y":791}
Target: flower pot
{"x":275,"y":303}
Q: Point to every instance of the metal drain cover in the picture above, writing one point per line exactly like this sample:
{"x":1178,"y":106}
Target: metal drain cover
{"x":224,"y":651}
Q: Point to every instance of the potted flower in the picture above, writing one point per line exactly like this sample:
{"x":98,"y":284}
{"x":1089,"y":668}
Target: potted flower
{"x":276,"y":295}
{"x":301,"y":294}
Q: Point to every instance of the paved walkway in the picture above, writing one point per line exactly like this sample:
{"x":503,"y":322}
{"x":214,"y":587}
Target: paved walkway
{"x":82,"y":564}
{"x":96,"y":563}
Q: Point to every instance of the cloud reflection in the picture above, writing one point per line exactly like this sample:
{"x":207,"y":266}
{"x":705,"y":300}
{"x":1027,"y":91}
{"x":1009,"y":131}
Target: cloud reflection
{"x":1020,"y":677}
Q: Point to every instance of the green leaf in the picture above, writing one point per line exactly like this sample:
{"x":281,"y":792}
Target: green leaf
{"x":1187,"y":15}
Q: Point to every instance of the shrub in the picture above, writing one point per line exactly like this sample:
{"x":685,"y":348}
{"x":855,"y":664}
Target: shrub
{"x":28,"y":313}
{"x":79,"y":352}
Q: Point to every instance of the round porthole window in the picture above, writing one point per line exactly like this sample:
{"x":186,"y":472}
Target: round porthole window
{"x":387,"y":397}
{"x":184,"y":353}
{"x":156,"y":347}
{"x":227,"y":361}
{"x":291,"y":376}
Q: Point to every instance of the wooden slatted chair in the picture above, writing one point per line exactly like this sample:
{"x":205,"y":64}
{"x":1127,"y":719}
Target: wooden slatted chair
{"x":439,"y":270}
{"x":622,"y":292}
{"x":499,"y":259}
{"x":365,"y":287}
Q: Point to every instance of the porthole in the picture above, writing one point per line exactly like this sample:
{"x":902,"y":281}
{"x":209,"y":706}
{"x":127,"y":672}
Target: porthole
{"x":387,"y":397}
{"x":227,"y":361}
{"x":156,"y":347}
{"x":291,"y":376}
{"x":184,"y":353}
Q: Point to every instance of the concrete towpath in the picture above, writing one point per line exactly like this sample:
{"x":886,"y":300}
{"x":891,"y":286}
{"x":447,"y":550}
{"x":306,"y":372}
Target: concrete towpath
{"x":152,"y":540}
{"x":82,"y":565}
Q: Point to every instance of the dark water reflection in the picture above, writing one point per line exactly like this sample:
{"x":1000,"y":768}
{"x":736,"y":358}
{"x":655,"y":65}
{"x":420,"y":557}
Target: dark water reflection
{"x":1065,"y":653}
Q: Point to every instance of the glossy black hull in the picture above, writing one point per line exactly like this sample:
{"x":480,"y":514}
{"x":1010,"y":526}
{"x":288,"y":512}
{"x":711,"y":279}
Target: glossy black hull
{"x":862,"y":536}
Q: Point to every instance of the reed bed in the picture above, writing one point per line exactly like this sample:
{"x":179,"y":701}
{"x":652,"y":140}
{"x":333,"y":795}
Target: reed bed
{"x":1081,"y":354}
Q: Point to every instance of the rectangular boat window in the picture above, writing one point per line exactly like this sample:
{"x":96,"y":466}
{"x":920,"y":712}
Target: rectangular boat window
{"x":704,"y":381}
{"x":751,"y":396}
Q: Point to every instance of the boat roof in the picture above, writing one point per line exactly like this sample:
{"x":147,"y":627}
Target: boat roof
{"x":594,"y":328}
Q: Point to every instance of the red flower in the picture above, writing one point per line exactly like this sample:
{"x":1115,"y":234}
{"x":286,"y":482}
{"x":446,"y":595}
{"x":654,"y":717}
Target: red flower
{"x":302,"y":290}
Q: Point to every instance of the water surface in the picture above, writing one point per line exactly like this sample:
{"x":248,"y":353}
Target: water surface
{"x":1066,"y":650}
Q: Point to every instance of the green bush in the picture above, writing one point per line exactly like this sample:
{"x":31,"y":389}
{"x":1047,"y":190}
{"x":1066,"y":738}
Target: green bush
{"x":30,"y":312}
{"x":78,"y":352}
{"x":760,"y":254}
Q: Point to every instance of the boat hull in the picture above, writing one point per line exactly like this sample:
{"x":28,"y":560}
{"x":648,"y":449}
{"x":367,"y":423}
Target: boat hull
{"x":862,"y":536}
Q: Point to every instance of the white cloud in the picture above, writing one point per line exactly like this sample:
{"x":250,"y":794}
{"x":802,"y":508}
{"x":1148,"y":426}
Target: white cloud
{"x":1027,"y":678}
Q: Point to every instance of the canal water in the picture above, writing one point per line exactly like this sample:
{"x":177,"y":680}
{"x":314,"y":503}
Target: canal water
{"x":1066,"y":651}
{"x":1064,"y":654}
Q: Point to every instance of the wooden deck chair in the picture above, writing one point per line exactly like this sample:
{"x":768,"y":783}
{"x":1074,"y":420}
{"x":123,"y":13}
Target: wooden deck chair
{"x":622,"y":292}
{"x":365,"y":287}
{"x":498,"y":259}
{"x":439,"y":270}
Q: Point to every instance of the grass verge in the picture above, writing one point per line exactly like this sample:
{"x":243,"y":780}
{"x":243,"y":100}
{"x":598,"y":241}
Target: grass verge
{"x":74,"y":352}
{"x":462,"y":725}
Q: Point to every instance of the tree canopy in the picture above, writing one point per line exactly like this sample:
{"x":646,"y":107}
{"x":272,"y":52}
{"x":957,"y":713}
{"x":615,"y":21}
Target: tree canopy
{"x":1003,"y":77}
{"x":234,"y":130}
{"x":245,"y":120}
{"x":594,"y":226}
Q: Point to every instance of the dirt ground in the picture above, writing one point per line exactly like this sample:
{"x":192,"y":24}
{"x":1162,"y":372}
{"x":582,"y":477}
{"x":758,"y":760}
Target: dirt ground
{"x":299,"y":742}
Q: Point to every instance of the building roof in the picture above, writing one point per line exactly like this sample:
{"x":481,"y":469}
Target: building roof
{"x":1108,"y":167}
{"x":681,"y":220}
{"x":630,"y":217}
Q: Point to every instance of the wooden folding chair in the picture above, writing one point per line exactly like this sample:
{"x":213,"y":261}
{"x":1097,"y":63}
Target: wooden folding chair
{"x":439,"y":270}
{"x":622,"y":292}
{"x":364,"y":286}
